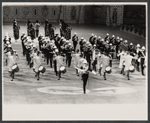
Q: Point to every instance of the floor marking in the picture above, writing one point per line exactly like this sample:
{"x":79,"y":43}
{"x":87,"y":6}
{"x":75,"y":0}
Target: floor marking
{"x":114,"y":90}
{"x":62,"y":90}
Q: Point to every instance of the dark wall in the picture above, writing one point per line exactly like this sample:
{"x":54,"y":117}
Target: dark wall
{"x":134,"y":14}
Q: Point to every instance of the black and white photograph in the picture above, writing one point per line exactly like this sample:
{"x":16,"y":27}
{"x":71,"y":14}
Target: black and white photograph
{"x":89,"y":56}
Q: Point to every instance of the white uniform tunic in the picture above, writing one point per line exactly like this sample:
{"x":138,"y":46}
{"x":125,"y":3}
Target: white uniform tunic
{"x":122,"y":59}
{"x":128,"y":60}
{"x":11,"y":62}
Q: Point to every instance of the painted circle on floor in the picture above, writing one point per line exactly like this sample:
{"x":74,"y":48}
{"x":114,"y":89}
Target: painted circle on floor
{"x":60,"y":90}
{"x":114,"y":90}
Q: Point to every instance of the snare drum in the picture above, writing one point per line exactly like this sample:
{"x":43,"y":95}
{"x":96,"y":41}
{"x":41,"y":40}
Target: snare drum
{"x":63,"y":69}
{"x":131,"y":68}
{"x":15,"y":68}
{"x":108,"y":69}
{"x":42,"y":69}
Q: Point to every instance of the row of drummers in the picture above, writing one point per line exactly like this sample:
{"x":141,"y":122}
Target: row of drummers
{"x":47,"y":50}
{"x":10,"y":56}
{"x":114,"y":46}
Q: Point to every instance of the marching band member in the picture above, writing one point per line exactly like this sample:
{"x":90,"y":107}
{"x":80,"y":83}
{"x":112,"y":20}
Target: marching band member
{"x":69,"y":50}
{"x":76,"y":57}
{"x":88,"y":55}
{"x":50,"y":54}
{"x":7,"y":52}
{"x":28,"y":27}
{"x":91,"y":38}
{"x":113,"y":40}
{"x":138,"y":60}
{"x":95,"y":58}
{"x":142,"y":56}
{"x":85,"y":75}
{"x":75,"y":40}
{"x":32,"y":31}
{"x":37,"y":26}
{"x":98,"y":43}
{"x":104,"y":61}
{"x":94,"y":40}
{"x":83,"y":68}
{"x":128,"y":62}
{"x":131,"y":48}
{"x":11,"y":63}
{"x":121,"y":63}
{"x":46,"y":28}
{"x":60,"y":62}
{"x":40,"y":39}
{"x":16,"y":31}
{"x":36,"y":64}
{"x":107,"y":37}
{"x":23,"y":37}
{"x":54,"y":61}
{"x":28,"y":50}
{"x":117,"y":45}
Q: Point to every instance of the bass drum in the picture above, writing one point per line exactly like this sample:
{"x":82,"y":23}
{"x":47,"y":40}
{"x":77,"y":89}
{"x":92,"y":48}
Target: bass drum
{"x":108,"y":69}
{"x":131,"y":68}
{"x":15,"y":68}
{"x":63,"y":69}
{"x":42,"y":69}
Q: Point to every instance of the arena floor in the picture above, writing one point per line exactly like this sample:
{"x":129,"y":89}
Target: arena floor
{"x":25,"y":89}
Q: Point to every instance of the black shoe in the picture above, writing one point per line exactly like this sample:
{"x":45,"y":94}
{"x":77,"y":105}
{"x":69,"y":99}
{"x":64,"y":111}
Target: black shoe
{"x":11,"y":79}
{"x":104,"y":78}
{"x":128,"y":79}
{"x":77,"y":74}
{"x":59,"y":79}
{"x":35,"y":75}
{"x":38,"y":79}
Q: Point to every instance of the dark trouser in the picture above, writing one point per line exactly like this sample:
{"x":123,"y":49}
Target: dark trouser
{"x":37,"y":33}
{"x":85,"y":78}
{"x":128,"y":74}
{"x":23,"y":48}
{"x":44,"y":52}
{"x":88,"y":60}
{"x":38,"y":75}
{"x":39,"y":46}
{"x":59,"y":74}
{"x":68,"y":60}
{"x":110,"y":63}
{"x":50,"y":57}
{"x":24,"y":51}
{"x":104,"y":75}
{"x":142,"y":65}
{"x":6,"y":61}
{"x":100,"y":71}
{"x":55,"y":67}
{"x":117,"y":47}
{"x":122,"y":70}
{"x":77,"y":72}
{"x":28,"y":58}
{"x":74,"y":45}
{"x":12,"y":73}
{"x":137,"y":63}
{"x":94,"y":65}
{"x":81,"y":49}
